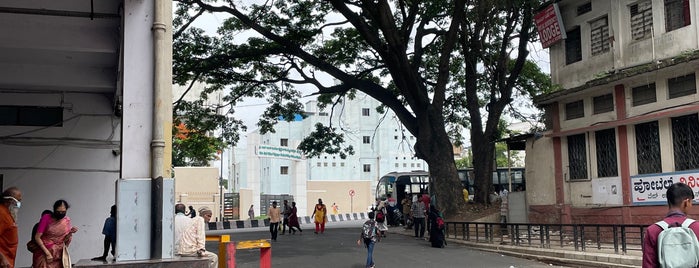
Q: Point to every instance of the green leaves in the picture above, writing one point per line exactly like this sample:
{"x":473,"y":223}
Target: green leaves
{"x":325,"y":140}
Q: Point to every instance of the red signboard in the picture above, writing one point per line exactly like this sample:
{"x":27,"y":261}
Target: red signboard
{"x":549,"y":25}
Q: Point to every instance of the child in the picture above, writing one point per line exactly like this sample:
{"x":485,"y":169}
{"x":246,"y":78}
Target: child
{"x":109,"y":232}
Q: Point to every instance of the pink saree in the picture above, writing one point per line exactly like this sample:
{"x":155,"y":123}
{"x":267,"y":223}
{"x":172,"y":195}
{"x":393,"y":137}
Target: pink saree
{"x":54,"y":235}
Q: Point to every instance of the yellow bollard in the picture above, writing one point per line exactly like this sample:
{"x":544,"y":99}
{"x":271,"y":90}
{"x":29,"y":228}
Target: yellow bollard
{"x":223,"y":240}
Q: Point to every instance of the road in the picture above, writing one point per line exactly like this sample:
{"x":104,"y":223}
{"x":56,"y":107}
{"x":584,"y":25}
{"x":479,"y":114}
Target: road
{"x":337,"y":248}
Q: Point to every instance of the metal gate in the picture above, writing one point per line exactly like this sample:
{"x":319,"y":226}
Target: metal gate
{"x":231,"y":203}
{"x":267,"y":199}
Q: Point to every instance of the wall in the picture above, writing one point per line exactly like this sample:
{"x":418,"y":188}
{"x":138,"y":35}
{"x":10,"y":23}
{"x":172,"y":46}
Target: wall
{"x":539,"y":161}
{"x":74,"y":162}
{"x":246,"y":199}
{"x":338,"y":192}
{"x":198,"y":187}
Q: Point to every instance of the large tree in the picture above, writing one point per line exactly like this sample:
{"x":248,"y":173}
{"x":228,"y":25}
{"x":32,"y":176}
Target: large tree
{"x":427,"y":61}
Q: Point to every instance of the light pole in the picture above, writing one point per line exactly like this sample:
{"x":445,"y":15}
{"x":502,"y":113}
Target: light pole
{"x":220,"y":187}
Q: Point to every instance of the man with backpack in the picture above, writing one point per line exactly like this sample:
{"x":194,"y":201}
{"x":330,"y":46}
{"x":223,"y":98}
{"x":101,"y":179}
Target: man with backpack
{"x":673,"y":242}
{"x":370,"y":236}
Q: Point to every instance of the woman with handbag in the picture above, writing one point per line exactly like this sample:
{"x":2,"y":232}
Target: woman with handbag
{"x":53,"y":237}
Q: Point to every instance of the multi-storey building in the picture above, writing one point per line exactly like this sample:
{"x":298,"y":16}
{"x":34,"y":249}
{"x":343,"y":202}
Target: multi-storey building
{"x":380,"y":144}
{"x":625,"y":125}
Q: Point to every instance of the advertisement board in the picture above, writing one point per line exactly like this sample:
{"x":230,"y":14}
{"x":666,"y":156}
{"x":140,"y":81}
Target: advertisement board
{"x":549,"y":25}
{"x":650,"y":189}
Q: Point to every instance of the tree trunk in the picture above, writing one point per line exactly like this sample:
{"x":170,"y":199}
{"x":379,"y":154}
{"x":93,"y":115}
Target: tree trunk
{"x":483,"y":153}
{"x":433,"y":146}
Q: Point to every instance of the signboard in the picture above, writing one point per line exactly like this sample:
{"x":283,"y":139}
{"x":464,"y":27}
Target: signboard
{"x":279,"y":152}
{"x":651,"y":189}
{"x":549,"y":25}
{"x":351,"y":192}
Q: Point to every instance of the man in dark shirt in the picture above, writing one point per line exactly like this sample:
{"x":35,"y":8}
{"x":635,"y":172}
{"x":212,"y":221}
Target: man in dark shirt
{"x":679,"y":199}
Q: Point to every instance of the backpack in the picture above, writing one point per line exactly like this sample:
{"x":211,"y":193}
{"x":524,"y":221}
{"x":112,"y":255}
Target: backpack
{"x":379,"y":216}
{"x":368,"y":230}
{"x":440,"y":223}
{"x":677,"y":246}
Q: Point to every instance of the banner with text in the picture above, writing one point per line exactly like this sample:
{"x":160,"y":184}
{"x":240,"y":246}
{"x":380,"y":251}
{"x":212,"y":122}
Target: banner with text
{"x":549,"y":25}
{"x":651,"y":189}
{"x":279,"y":152}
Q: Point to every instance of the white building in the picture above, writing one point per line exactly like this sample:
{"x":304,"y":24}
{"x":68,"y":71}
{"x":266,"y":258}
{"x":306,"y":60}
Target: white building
{"x":380,"y":143}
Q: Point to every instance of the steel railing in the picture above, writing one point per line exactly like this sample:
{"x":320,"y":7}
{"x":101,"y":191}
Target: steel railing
{"x":616,"y":238}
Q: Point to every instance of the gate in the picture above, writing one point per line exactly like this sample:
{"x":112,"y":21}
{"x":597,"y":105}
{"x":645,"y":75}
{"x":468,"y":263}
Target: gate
{"x":231,"y":203}
{"x":267,"y":199}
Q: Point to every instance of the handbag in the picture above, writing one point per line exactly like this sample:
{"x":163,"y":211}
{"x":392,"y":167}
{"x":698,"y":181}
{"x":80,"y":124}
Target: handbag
{"x":66,"y":258}
{"x":32,"y":246}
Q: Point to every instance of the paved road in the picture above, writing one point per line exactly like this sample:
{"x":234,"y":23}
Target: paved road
{"x":337,"y":248}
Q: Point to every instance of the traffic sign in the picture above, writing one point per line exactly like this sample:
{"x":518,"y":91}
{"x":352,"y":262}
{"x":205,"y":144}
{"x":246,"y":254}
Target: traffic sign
{"x":351,"y":192}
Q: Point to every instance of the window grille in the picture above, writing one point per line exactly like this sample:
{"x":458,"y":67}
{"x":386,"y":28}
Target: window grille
{"x":323,"y":114}
{"x":685,"y":142}
{"x":605,"y":143}
{"x":641,"y":20}
{"x":577,"y":157}
{"x":584,"y":8}
{"x":575,"y":110}
{"x":365,"y":111}
{"x":366,"y":139}
{"x":284,"y":142}
{"x":573,"y":46}
{"x":31,"y":116}
{"x":599,"y":36}
{"x":648,"y":148}
{"x":603,"y":104}
{"x":644,"y":94}
{"x":682,"y":86}
{"x":284,"y":170}
{"x":676,"y":14}
{"x":367,"y":168}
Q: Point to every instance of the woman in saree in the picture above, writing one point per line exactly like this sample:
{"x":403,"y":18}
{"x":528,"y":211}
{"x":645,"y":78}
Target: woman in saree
{"x":54,"y":233}
{"x":294,"y":219}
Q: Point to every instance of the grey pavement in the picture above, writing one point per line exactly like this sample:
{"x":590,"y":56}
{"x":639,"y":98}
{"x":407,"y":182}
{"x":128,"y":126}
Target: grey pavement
{"x":338,"y":248}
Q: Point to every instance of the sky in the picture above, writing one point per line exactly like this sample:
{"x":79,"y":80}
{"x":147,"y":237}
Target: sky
{"x":250,"y":109}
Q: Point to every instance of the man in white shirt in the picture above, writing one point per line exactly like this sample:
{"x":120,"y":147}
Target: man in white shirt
{"x":190,"y":238}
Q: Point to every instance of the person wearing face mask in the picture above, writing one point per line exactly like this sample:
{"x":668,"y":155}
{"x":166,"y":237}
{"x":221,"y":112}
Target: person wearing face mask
{"x":10,"y":203}
{"x":53,"y":237}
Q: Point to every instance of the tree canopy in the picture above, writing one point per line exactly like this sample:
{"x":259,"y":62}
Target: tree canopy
{"x":440,"y":66}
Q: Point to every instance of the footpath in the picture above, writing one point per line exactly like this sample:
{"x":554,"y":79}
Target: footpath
{"x":566,"y":256}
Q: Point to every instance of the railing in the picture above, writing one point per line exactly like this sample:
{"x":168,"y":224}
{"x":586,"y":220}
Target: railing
{"x":621,"y":239}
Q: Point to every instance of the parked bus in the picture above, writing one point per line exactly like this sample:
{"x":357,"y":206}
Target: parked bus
{"x":500,"y":180}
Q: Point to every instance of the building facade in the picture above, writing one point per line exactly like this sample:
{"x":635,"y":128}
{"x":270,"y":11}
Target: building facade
{"x":380,"y":143}
{"x":625,"y":125}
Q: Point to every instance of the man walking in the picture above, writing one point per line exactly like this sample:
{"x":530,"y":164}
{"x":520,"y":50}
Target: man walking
{"x":370,"y":236}
{"x":679,"y":199}
{"x":418,"y":212}
{"x":274,"y":219}
{"x":10,"y":203}
{"x":190,"y":238}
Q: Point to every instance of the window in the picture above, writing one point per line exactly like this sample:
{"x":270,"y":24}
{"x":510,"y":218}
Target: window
{"x":573,"y":46}
{"x":284,"y":142}
{"x":605,"y":143}
{"x":318,"y":164}
{"x":325,"y":164}
{"x":284,"y":170}
{"x":648,"y":148}
{"x":681,"y":86}
{"x":603,"y":104}
{"x":641,"y":20}
{"x":365,"y":111}
{"x":599,"y":36}
{"x":643,"y":94}
{"x":334,"y":164}
{"x":323,"y":114}
{"x":342,"y":164}
{"x":574,"y":110}
{"x":676,"y":14}
{"x":418,"y":164}
{"x":685,"y":142}
{"x":395,"y":137}
{"x":405,"y":164}
{"x":584,"y":8}
{"x":412,"y":165}
{"x":31,"y":116}
{"x":577,"y":157}
{"x":396,"y":164}
{"x":366,"y":139}
{"x":367,"y":168}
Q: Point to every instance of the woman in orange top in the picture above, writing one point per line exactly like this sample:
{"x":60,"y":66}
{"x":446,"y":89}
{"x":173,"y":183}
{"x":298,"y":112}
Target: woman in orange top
{"x":319,"y":216}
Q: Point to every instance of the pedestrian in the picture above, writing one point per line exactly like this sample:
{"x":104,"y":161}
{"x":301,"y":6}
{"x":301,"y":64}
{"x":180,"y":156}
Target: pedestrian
{"x":407,"y":221}
{"x":436,"y":229}
{"x":53,"y":236}
{"x":381,"y":216}
{"x":109,"y":232}
{"x":206,"y":213}
{"x":320,"y":216}
{"x":294,"y":219}
{"x":679,"y":199}
{"x":251,"y":212}
{"x":286,"y":213}
{"x":418,"y":213}
{"x":31,"y":245}
{"x":274,"y":218}
{"x":192,"y":213}
{"x":9,"y":239}
{"x":369,"y":236}
{"x":335,"y":208}
{"x":190,"y":238}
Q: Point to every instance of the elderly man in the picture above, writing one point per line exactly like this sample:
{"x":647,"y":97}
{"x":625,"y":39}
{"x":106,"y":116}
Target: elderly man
{"x":190,"y":238}
{"x":206,"y":213}
{"x":10,"y":203}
